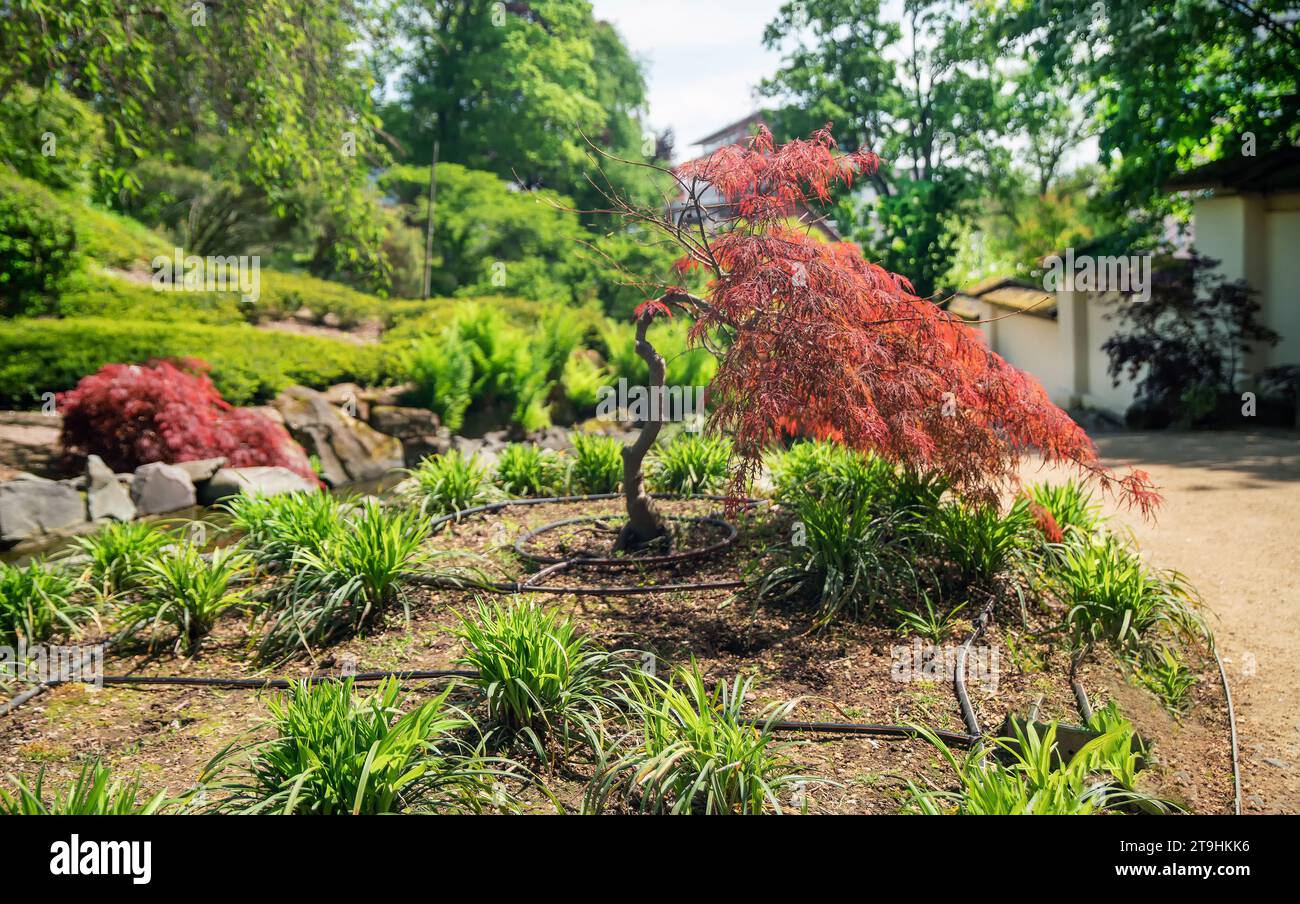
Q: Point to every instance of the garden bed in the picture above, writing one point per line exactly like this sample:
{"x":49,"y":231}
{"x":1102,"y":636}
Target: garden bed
{"x":841,"y":673}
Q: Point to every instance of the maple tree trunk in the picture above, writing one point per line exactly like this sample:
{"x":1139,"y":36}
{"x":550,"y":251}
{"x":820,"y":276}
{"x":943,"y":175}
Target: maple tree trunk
{"x":644,"y":521}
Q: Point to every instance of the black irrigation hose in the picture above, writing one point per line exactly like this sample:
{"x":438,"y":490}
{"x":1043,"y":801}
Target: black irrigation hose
{"x":845,"y":728}
{"x":440,"y":583}
{"x":959,"y":673}
{"x":1232,"y":732}
{"x":1085,"y":712}
{"x":614,"y":562}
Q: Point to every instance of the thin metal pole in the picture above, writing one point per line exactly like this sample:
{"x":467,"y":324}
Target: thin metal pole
{"x":428,"y":237}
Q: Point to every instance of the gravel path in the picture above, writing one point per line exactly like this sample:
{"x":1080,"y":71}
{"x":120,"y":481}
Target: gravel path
{"x":1231,"y":523}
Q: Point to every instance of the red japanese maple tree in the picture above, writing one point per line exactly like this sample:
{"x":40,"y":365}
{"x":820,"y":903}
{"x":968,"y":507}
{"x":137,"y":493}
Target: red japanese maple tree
{"x":167,"y":411}
{"x":813,"y":339}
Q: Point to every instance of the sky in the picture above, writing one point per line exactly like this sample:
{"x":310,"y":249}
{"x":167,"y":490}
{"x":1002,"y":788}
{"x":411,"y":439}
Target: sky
{"x":702,"y":59}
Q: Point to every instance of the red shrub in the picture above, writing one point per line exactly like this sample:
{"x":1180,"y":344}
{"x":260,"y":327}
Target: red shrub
{"x":130,"y":415}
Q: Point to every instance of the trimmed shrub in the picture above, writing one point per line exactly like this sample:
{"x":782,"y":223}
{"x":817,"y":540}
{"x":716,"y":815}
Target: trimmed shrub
{"x":31,"y":119}
{"x":246,"y":364}
{"x":130,"y":415}
{"x":38,"y":248}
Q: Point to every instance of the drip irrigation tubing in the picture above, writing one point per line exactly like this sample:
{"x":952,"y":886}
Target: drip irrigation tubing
{"x":1232,"y":732}
{"x":959,"y":673}
{"x":844,"y":728}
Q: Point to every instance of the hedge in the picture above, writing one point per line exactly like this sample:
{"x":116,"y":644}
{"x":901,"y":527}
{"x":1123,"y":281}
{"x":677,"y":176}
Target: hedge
{"x":248,"y":365}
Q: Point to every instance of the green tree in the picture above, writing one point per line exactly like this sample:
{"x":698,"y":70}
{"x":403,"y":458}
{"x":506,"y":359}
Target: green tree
{"x":921,"y":92}
{"x":514,"y":88}
{"x":283,"y":82}
{"x":1173,"y":82}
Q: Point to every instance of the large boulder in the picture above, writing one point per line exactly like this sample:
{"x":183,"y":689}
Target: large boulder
{"x":419,"y":430}
{"x":105,"y":495}
{"x":159,"y":487}
{"x":31,"y":506}
{"x":404,"y":422}
{"x":229,"y":482}
{"x":202,"y":469}
{"x":29,"y":442}
{"x":348,"y":449}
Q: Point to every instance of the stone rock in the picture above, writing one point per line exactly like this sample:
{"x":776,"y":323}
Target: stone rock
{"x":267,"y":411}
{"x":420,"y":447}
{"x":202,"y":469}
{"x":105,"y":495}
{"x":348,"y":449}
{"x":351,"y":398}
{"x":29,"y":442}
{"x":273,"y":481}
{"x":31,"y":505}
{"x":554,"y":438}
{"x":160,"y":487}
{"x":406,"y":423}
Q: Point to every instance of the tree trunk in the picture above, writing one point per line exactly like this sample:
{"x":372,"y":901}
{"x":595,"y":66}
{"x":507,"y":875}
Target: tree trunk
{"x":644,"y":524}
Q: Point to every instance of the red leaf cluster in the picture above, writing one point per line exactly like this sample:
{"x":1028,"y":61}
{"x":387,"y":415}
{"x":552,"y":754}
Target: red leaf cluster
{"x":825,"y":343}
{"x":130,"y":415}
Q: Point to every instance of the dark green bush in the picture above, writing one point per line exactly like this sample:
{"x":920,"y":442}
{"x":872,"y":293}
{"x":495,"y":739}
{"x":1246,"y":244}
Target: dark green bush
{"x":38,"y":248}
{"x":50,"y":136}
{"x":248,"y":364}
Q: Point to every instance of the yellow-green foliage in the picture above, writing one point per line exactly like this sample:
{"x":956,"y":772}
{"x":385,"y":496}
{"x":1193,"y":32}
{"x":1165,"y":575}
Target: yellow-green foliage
{"x":248,"y":364}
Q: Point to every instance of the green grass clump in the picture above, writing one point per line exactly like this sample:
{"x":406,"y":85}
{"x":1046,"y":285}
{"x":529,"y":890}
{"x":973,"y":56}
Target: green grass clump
{"x":524,"y":469}
{"x":340,"y":588}
{"x":449,"y":483}
{"x":1030,"y":779}
{"x":277,"y":527}
{"x":94,"y":792}
{"x":597,"y":463}
{"x":186,"y":593}
{"x":37,"y":601}
{"x":335,"y":753}
{"x":544,"y":683}
{"x":979,"y":540}
{"x":1162,"y":671}
{"x":1114,"y":598}
{"x":691,"y":463}
{"x":119,"y":552}
{"x":822,"y":468}
{"x":840,"y":558}
{"x":691,"y":750}
{"x":1070,"y":504}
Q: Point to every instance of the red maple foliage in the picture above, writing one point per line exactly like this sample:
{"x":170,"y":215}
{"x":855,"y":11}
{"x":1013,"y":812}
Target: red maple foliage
{"x":1046,"y":523}
{"x":818,"y":341}
{"x":133,"y":414}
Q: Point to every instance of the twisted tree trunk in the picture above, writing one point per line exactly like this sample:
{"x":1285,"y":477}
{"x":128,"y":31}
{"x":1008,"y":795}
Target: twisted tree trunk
{"x":644,"y":523}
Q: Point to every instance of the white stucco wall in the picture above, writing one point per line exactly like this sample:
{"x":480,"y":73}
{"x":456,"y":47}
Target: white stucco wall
{"x":1257,"y":238}
{"x":1033,"y":344}
{"x":1282,"y":304}
{"x":1099,"y":393}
